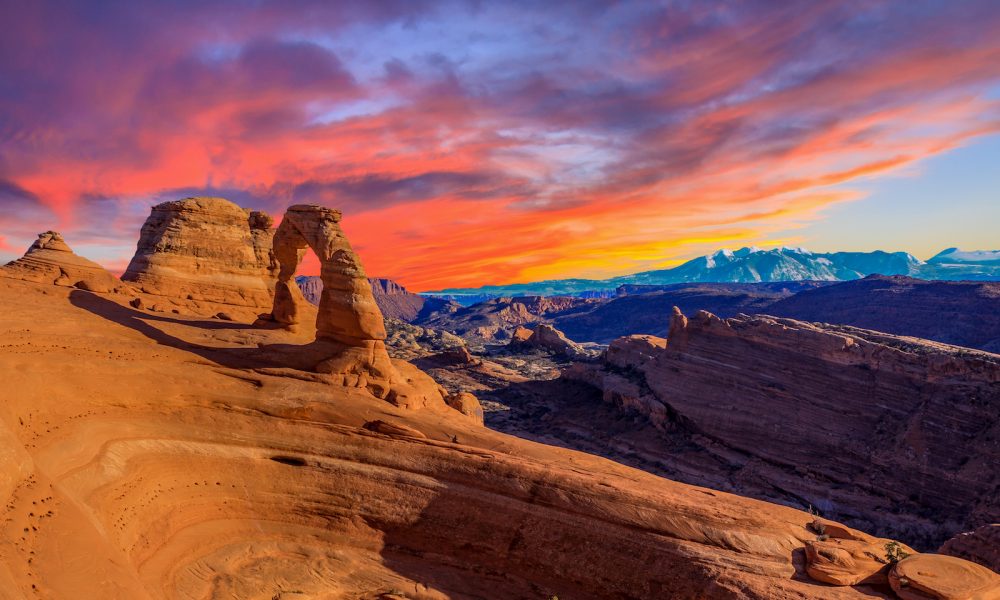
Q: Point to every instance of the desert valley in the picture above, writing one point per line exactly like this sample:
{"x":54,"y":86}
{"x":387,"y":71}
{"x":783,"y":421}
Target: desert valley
{"x":199,"y":429}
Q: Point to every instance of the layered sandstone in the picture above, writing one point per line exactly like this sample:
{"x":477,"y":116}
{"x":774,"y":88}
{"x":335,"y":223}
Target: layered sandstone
{"x":50,"y":260}
{"x":170,"y":458}
{"x":981,"y":545}
{"x":205,"y":250}
{"x":863,"y":426}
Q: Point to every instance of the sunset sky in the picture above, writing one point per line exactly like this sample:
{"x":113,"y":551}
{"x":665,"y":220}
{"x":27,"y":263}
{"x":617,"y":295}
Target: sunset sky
{"x":475,"y":143}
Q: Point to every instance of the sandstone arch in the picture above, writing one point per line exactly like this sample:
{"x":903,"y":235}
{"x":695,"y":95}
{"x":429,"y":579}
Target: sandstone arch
{"x":347,"y":310}
{"x":350,"y":330}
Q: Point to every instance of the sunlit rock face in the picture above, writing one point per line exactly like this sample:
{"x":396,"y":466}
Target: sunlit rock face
{"x":160,"y":458}
{"x":205,"y":249}
{"x":350,"y":329}
{"x":981,"y":545}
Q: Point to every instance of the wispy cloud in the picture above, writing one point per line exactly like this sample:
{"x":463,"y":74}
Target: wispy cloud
{"x":470,"y":143}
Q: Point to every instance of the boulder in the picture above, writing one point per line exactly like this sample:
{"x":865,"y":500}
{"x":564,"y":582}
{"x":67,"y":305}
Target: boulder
{"x":206,"y":250}
{"x":847,"y":561}
{"x":457,"y":356}
{"x":547,"y":339}
{"x":50,"y":260}
{"x":467,"y":404}
{"x":940,"y":577}
{"x":521,"y":334}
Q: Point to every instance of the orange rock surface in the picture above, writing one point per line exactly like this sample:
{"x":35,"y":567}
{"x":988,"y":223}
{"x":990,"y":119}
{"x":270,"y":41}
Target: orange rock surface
{"x":940,"y":577}
{"x":155,"y":456}
{"x":51,"y":260}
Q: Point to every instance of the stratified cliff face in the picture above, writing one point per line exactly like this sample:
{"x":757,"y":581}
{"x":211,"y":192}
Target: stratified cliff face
{"x":981,"y":545}
{"x":498,"y":318}
{"x":897,"y":434}
{"x":205,"y":249}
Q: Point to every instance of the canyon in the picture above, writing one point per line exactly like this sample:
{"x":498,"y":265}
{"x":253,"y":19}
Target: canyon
{"x":964,"y":313}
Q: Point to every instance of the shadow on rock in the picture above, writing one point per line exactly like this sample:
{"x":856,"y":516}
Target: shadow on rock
{"x":292,"y":356}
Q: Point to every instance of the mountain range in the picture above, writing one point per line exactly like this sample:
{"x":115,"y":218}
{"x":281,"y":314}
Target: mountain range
{"x":756,"y":265}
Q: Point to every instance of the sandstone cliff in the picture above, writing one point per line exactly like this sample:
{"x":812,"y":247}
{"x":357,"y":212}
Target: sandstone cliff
{"x":207,"y":250}
{"x":981,"y":545}
{"x":863,"y":426}
{"x":496,"y":319}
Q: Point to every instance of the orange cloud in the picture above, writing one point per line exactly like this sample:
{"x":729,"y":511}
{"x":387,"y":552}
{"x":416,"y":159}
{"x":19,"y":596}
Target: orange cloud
{"x":529,"y":156}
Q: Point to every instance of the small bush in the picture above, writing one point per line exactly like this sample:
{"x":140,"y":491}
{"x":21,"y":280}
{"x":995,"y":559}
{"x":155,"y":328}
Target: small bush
{"x":822,"y":537}
{"x":894,"y":553}
{"x":818,"y":527}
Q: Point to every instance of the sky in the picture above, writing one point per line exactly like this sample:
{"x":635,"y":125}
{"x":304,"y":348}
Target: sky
{"x":472,"y":143}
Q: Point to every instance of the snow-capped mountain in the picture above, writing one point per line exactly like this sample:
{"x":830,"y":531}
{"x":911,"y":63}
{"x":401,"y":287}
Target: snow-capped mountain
{"x":751,"y":265}
{"x":959,"y":264}
{"x":976,"y":257}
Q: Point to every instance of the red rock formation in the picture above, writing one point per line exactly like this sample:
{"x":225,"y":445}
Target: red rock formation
{"x":347,"y":310}
{"x":349,"y":325}
{"x":205,"y":249}
{"x":863,"y":425}
{"x":467,"y":404}
{"x":50,"y":260}
{"x":939,"y":577}
{"x":547,"y":339}
{"x":981,"y":545}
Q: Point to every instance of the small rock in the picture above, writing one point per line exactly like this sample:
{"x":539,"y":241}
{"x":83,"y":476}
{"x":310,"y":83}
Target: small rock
{"x":467,"y":404}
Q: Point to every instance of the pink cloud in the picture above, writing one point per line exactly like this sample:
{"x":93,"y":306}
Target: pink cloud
{"x":600,"y":143}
